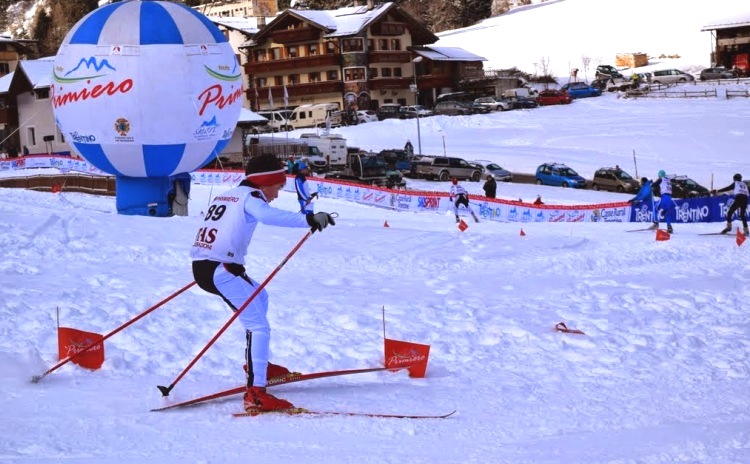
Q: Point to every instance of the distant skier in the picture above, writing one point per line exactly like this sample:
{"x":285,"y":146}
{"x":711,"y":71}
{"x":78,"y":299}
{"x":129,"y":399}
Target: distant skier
{"x":740,"y":191}
{"x":303,"y":193}
{"x":665,"y":203}
{"x":646,"y":195}
{"x":462,"y":198}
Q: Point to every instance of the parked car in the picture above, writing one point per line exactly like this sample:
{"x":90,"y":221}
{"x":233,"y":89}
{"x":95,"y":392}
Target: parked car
{"x":494,"y":104}
{"x":418,"y":111}
{"x":671,"y":76}
{"x":558,"y":175}
{"x":553,"y":97}
{"x":495,"y":170}
{"x":606,"y":71}
{"x":390,"y":111}
{"x":612,"y":85}
{"x":685,"y":187}
{"x":367,"y":116}
{"x":614,"y":179}
{"x":580,"y":90}
{"x":453,"y":108}
{"x":719,"y":72}
{"x":445,"y":168}
{"x":523,"y":103}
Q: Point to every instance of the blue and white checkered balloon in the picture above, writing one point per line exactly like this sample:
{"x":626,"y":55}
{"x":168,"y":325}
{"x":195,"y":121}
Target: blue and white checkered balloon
{"x":146,"y":89}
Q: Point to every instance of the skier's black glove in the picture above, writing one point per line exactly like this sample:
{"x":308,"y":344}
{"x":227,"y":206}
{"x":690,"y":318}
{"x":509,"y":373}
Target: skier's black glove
{"x":319,"y":221}
{"x":314,"y":195}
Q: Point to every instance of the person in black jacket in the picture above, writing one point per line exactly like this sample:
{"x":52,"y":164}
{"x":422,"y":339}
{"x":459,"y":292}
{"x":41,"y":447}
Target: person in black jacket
{"x":740,"y":191}
{"x":490,"y":187}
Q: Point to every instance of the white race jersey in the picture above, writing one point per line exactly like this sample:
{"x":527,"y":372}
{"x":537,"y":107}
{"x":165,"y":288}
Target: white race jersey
{"x":665,"y":186}
{"x":458,"y":190}
{"x":740,"y":188}
{"x":231,"y":219}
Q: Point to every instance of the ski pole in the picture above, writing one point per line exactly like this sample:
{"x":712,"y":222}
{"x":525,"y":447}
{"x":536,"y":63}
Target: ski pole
{"x":165,"y":390}
{"x":37,"y":378}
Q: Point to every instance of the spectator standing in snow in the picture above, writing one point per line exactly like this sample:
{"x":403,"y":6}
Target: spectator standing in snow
{"x":461,"y":199}
{"x":538,"y":200}
{"x":303,"y":193}
{"x":740,"y":191}
{"x":665,"y":203}
{"x":218,"y":255}
{"x":490,"y":187}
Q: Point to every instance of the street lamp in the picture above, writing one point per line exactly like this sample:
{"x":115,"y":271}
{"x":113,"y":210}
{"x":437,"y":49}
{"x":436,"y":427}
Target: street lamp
{"x":415,"y":89}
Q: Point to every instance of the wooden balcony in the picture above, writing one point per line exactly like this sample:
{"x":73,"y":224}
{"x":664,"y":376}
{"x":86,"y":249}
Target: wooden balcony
{"x":304,"y":62}
{"x":386,"y":28}
{"x":389,"y":57}
{"x":436,"y":81}
{"x":9,"y":116}
{"x":297,"y":90}
{"x":287,"y":36}
{"x":389,"y":83}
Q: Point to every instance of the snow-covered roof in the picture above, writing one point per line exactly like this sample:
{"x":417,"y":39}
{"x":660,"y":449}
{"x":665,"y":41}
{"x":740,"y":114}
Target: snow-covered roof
{"x":447,"y":54}
{"x":738,"y":18}
{"x":39,"y":72}
{"x":5,"y":83}
{"x":248,"y":116}
{"x":344,"y":21}
{"x":248,"y":25}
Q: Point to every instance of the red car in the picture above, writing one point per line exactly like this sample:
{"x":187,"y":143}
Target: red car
{"x":553,"y":97}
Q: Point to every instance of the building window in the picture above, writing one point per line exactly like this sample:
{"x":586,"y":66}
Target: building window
{"x":4,"y":68}
{"x":395,"y":44}
{"x":31,"y":136}
{"x":261,"y":82}
{"x":293,"y":79}
{"x":382,"y":44}
{"x":313,"y":77}
{"x":312,"y":49}
{"x":386,"y":72}
{"x":373,"y":73}
{"x":396,"y":72}
{"x":291,"y":52}
{"x":333,"y":75}
{"x":330,"y":47}
{"x":352,"y":45}
{"x":354,"y":74}
{"x":41,"y":94}
{"x":370,"y":45}
{"x":276,"y":53}
{"x":278,"y":80}
{"x":260,"y":55}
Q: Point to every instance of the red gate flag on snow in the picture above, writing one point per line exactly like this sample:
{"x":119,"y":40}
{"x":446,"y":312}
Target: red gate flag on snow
{"x":400,"y":354}
{"x":740,"y":237}
{"x":662,"y":235}
{"x":462,"y":226}
{"x":73,"y":341}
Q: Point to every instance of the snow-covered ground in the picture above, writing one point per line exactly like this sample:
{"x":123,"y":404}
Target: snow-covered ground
{"x":660,"y":376}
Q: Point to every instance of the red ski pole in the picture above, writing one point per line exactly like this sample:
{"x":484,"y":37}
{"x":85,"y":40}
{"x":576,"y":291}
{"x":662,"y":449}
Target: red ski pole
{"x":165,"y":390}
{"x":37,"y":378}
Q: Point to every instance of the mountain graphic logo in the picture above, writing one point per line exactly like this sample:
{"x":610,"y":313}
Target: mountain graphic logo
{"x":88,"y":64}
{"x":211,"y":123}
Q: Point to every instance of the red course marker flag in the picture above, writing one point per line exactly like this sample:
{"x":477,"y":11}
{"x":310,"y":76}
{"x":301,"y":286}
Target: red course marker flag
{"x":462,"y":226}
{"x":740,"y":237}
{"x":72,"y":341}
{"x":662,"y":235}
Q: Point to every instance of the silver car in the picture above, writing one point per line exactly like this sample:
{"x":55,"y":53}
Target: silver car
{"x":495,"y":170}
{"x":495,"y":104}
{"x":671,"y":76}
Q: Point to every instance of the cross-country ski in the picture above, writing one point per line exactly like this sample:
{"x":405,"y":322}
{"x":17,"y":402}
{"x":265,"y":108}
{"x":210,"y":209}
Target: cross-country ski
{"x":304,"y":411}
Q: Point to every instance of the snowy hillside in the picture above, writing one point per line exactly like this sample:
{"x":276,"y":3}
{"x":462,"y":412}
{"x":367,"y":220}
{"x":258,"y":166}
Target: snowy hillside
{"x":562,"y":33}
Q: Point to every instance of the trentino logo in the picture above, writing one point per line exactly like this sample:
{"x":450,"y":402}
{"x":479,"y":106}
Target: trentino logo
{"x":89,"y":64}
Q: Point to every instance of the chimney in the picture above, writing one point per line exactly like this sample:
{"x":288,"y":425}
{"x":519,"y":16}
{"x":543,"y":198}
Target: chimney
{"x":370,"y":4}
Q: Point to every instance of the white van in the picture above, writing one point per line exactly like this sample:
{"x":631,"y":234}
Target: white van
{"x":277,"y":120}
{"x":314,"y":115}
{"x":331,"y":146}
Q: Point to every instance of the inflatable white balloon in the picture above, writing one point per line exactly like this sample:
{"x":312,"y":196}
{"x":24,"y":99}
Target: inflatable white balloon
{"x":146,"y":89}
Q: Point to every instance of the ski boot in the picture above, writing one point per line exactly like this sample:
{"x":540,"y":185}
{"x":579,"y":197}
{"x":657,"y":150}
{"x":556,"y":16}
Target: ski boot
{"x":727,"y":229}
{"x":256,"y":399}
{"x":654,"y":226}
{"x":458,"y":219}
{"x":274,"y":370}
{"x":670,"y":230}
{"x":745,"y":231}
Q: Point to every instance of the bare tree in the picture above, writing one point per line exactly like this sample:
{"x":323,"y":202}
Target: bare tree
{"x":586,"y":61}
